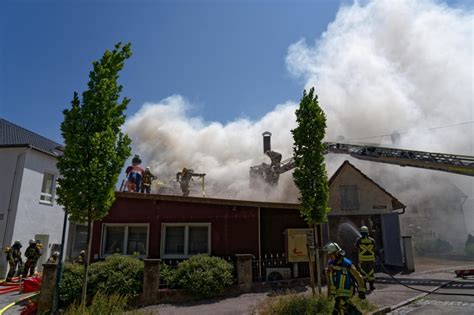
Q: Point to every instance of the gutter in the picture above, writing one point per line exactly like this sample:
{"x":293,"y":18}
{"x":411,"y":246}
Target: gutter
{"x":403,"y":211}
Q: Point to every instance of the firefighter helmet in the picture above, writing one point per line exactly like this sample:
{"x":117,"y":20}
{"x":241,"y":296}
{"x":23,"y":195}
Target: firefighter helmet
{"x":333,"y":248}
{"x":55,"y":254}
{"x":17,"y":243}
{"x":32,"y":241}
{"x":364,"y":229}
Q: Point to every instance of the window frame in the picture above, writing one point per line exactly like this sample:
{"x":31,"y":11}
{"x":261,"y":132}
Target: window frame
{"x":344,"y":189}
{"x":53,"y":189}
{"x":186,"y":239}
{"x":102,"y":254}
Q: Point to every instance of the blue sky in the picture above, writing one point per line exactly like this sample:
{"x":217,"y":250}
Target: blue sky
{"x":226,"y":57}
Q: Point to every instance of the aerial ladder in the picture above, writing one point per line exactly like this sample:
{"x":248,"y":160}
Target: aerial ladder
{"x":445,"y":162}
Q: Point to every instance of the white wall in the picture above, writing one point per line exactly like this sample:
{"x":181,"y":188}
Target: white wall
{"x":34,"y":217}
{"x":11,"y":168}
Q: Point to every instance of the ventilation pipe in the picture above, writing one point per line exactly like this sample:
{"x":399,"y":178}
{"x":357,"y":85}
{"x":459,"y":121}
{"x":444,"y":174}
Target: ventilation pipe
{"x":267,"y":141}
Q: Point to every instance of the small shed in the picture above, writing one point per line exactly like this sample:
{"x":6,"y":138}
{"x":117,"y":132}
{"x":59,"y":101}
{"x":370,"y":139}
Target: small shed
{"x":356,"y":200}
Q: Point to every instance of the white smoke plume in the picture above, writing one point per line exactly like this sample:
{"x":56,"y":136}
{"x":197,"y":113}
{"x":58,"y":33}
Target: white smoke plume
{"x":380,"y":66}
{"x":168,"y":140}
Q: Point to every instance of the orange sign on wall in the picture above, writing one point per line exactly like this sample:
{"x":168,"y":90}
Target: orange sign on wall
{"x":296,"y":245}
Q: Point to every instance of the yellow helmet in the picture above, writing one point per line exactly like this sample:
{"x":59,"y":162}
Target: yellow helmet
{"x":364,"y":229}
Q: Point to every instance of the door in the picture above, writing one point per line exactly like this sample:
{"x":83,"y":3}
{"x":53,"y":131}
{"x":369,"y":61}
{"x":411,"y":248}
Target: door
{"x":44,"y":240}
{"x":391,"y":239}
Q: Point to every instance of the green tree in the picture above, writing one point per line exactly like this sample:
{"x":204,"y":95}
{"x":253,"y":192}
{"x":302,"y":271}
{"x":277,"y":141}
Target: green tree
{"x":310,"y":174}
{"x":95,"y":147}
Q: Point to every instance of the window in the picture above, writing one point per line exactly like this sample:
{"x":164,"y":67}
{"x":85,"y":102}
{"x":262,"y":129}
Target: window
{"x":349,"y":197}
{"x":181,"y":240}
{"x":125,"y":239}
{"x":47,"y":188}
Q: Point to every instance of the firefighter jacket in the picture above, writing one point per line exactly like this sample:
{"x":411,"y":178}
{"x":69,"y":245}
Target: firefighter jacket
{"x":147,"y":178}
{"x":32,"y":253}
{"x":365,"y":246}
{"x":342,"y":277}
{"x":13,"y":254}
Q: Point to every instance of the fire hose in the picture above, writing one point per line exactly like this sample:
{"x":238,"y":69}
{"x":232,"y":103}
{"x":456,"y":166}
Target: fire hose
{"x":6,"y":308}
{"x":424,"y":291}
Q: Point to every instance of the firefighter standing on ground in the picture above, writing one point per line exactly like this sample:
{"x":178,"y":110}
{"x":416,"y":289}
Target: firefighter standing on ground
{"x":365,"y":246}
{"x":13,"y":258}
{"x":81,"y":258}
{"x":341,"y":276}
{"x":32,"y":254}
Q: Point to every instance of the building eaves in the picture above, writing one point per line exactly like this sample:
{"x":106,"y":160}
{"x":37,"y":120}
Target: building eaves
{"x":226,"y":202}
{"x":12,"y":135}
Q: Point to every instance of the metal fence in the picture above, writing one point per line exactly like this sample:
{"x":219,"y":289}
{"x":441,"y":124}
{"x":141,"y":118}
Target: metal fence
{"x":275,"y":266}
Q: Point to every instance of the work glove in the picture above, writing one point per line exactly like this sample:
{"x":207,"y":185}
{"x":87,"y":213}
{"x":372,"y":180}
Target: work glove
{"x":362,"y":295}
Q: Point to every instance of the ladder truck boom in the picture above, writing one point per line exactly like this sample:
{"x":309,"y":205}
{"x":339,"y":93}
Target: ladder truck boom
{"x":445,"y":162}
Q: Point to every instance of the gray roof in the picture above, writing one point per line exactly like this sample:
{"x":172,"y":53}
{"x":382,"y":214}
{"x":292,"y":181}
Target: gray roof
{"x":12,"y":135}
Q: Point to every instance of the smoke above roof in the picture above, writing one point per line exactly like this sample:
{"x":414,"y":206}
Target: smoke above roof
{"x":380,"y":66}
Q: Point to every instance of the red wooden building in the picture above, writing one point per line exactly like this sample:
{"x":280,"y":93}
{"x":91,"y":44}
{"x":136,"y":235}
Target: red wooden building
{"x":175,"y":227}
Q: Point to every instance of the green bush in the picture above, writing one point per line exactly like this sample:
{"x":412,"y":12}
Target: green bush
{"x":437,"y":246}
{"x":204,"y":276}
{"x":117,"y":274}
{"x":298,"y":304}
{"x":71,"y":283}
{"x":294,"y":304}
{"x":469,"y":250}
{"x":101,"y":304}
{"x":167,"y":275}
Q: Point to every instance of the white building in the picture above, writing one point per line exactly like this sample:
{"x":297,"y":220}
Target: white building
{"x":28,"y":207}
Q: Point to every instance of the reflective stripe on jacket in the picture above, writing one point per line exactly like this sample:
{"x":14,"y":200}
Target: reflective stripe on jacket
{"x":366,"y":249}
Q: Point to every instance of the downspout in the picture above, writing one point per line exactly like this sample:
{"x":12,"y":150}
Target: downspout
{"x":403,"y":211}
{"x":259,"y":248}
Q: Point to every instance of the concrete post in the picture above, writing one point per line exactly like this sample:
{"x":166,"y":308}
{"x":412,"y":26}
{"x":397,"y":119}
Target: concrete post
{"x":45,"y":300}
{"x":244,"y":271}
{"x":408,"y":254}
{"x":151,"y":281}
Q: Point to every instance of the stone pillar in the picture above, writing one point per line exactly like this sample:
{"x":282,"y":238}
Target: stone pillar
{"x":45,"y":300}
{"x":151,"y":281}
{"x":408,"y":254}
{"x":244,"y":271}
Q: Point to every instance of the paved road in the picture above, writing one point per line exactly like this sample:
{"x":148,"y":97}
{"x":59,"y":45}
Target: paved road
{"x":457,"y":302}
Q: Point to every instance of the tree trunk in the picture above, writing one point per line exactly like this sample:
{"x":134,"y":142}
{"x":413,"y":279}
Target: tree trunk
{"x":318,"y":262}
{"x":86,"y":262}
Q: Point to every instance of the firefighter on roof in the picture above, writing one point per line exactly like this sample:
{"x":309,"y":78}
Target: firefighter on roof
{"x":184,"y":177}
{"x":342,"y":278}
{"x":13,"y":258}
{"x":365,"y":246}
{"x":148,"y":177}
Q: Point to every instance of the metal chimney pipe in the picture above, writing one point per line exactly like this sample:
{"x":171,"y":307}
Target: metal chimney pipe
{"x":267,"y":136}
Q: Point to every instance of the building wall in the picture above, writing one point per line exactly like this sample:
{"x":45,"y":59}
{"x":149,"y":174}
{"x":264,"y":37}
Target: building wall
{"x":34,"y":217}
{"x":11,"y":169}
{"x":372,"y":199}
{"x":274,"y":222}
{"x":234,"y":229}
